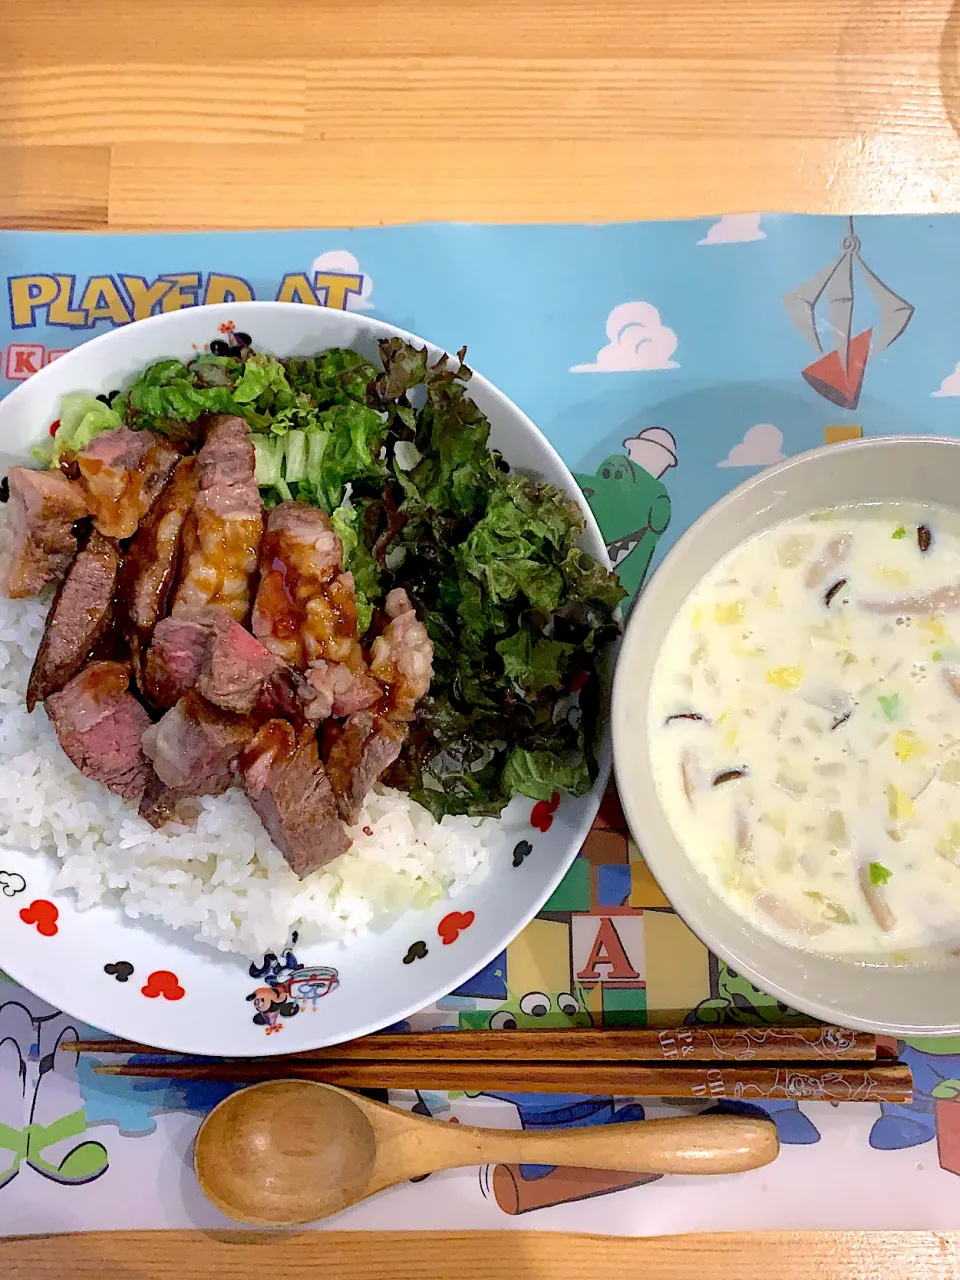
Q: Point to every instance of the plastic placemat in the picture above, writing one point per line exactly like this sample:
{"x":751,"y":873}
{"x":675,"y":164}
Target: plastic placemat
{"x":666,"y":362}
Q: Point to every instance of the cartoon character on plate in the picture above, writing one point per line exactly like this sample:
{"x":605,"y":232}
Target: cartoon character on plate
{"x":734,"y":1000}
{"x":272,"y":1004}
{"x":631,"y":503}
{"x":521,"y":1188}
{"x":289,"y":987}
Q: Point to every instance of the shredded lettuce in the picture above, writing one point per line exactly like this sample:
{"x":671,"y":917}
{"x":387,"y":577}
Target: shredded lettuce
{"x":539,"y":774}
{"x":290,"y":464}
{"x":82,"y":418}
{"x":268,"y":461}
{"x":295,"y":456}
{"x":534,"y":663}
{"x":260,"y":375}
{"x":335,"y":376}
{"x":357,"y":559}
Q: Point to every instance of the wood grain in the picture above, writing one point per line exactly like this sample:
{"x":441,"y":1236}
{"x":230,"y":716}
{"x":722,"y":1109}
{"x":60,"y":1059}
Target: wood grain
{"x":480,"y":1255}
{"x":54,"y":187}
{"x":836,"y":1082}
{"x":135,"y":114}
{"x":585,"y":1044}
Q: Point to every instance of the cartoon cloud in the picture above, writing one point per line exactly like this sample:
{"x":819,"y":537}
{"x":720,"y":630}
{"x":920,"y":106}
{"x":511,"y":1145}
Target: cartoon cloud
{"x":761,"y":446}
{"x":950,"y":386}
{"x":735,"y":228}
{"x":638,"y":340}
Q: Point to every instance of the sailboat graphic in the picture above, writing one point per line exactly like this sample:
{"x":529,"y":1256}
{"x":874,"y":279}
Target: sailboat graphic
{"x":838,"y":373}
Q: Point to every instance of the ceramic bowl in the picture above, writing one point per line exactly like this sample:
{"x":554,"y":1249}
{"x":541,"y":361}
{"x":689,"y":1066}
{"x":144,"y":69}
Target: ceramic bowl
{"x":148,"y":983}
{"x":904,"y":1001}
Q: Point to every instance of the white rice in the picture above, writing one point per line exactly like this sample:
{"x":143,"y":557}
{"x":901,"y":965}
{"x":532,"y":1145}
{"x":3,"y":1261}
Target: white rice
{"x":223,"y":880}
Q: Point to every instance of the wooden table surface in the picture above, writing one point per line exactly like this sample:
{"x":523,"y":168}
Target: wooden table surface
{"x":236,"y":113}
{"x":481,"y":1255}
{"x":153,"y":114}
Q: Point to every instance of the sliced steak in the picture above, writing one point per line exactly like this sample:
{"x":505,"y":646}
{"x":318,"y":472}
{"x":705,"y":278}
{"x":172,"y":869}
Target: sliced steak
{"x":335,"y":690}
{"x":226,"y":460}
{"x":288,"y":787}
{"x":305,"y":607}
{"x":38,"y":537}
{"x":285,"y":696}
{"x":174,"y":660}
{"x":222,"y":535}
{"x":194,"y":746}
{"x":79,"y":617}
{"x":161,"y":804}
{"x":367,"y":746}
{"x":100,"y":726}
{"x":122,"y":473}
{"x":401,"y":659}
{"x":150,"y":565}
{"x":236,"y":666}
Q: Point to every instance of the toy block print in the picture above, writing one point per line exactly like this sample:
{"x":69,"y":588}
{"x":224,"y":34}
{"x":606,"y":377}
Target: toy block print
{"x":644,"y":890}
{"x":573,"y":891}
{"x":489,"y":984}
{"x":603,"y":847}
{"x":676,"y":967}
{"x":539,"y":959}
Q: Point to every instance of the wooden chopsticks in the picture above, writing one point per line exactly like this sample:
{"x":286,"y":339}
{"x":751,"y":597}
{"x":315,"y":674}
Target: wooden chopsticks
{"x":812,"y":1083}
{"x":676,"y":1044}
{"x":709,"y":1063}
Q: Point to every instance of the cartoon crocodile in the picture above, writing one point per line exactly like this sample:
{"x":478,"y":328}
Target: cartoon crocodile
{"x":631,"y":503}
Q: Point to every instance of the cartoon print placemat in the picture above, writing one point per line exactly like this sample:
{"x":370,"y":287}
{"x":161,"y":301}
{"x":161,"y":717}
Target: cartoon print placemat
{"x":666,"y":362}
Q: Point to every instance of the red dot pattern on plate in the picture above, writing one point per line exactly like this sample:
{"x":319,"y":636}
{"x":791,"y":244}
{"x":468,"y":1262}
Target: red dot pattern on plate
{"x":451,"y":926}
{"x":44,"y":915}
{"x":163,"y":983}
{"x":541,"y":816}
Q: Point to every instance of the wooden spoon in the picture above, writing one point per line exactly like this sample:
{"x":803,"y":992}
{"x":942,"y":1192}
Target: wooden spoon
{"x":289,"y":1151}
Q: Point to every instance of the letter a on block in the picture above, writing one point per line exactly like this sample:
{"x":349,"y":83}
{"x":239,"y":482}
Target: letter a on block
{"x":608,"y":950}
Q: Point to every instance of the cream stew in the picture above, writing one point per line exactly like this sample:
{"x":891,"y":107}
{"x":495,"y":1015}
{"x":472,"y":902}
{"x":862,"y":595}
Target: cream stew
{"x":804,"y":728}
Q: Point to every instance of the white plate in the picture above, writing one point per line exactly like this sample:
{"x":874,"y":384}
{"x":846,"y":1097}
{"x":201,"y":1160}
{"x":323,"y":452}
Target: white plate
{"x":187,"y":996}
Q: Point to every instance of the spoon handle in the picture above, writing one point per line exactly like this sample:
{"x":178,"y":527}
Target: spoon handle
{"x":692,"y":1145}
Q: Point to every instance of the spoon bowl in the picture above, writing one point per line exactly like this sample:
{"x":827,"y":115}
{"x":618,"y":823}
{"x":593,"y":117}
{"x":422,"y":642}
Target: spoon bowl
{"x":287,"y":1152}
